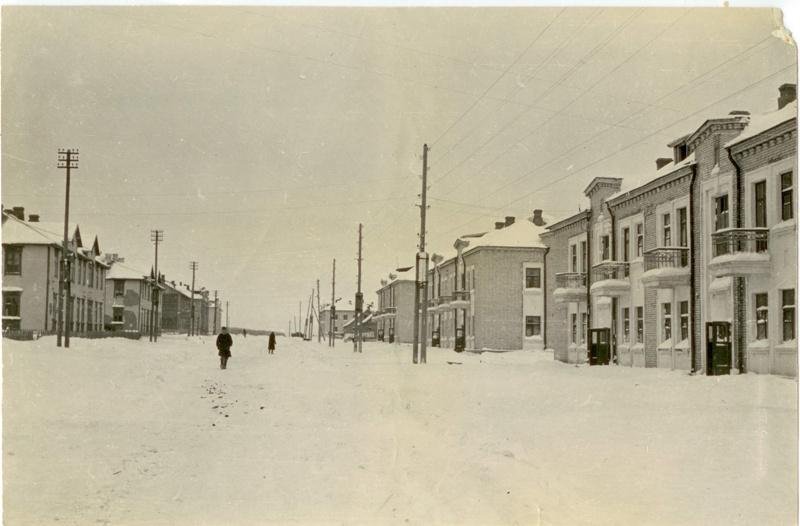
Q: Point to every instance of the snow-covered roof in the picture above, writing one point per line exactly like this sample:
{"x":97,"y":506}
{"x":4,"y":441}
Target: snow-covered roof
{"x":629,"y":184}
{"x":25,"y":233}
{"x":122,"y":271}
{"x":520,"y":234}
{"x":765,"y":121}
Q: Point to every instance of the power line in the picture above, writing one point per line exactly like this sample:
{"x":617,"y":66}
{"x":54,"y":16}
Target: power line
{"x":601,"y":133}
{"x":500,"y":77}
{"x":626,"y":147}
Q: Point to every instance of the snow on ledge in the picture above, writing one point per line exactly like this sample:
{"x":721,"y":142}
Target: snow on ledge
{"x":758,"y":345}
{"x":720,"y":285}
{"x":741,"y":257}
{"x":790,"y":225}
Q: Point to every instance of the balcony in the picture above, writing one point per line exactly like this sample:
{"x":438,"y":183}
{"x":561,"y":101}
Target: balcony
{"x":666,"y":267}
{"x":389,"y":312}
{"x":570,"y":287}
{"x":460,"y":299}
{"x":740,"y":252}
{"x":610,"y":278}
{"x":443,"y":303}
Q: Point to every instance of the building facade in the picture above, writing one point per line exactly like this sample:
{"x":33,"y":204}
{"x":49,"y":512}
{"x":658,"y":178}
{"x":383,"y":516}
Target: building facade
{"x":32,"y":260}
{"x":130,"y":296}
{"x":341,"y":317}
{"x":395,"y":313}
{"x":490,"y":294}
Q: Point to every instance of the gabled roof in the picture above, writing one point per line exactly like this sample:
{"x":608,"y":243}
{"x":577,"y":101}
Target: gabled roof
{"x":764,"y":122}
{"x":631,"y":185}
{"x":18,"y":232}
{"x":121,"y":271}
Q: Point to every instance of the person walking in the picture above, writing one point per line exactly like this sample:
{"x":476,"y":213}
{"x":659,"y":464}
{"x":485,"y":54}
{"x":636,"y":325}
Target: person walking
{"x":224,"y":344}
{"x":271,"y":345}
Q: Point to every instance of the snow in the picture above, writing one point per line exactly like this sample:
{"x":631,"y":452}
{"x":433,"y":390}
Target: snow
{"x":631,"y":183}
{"x":740,"y":257}
{"x":765,"y":121}
{"x":118,"y":431}
{"x":21,"y":232}
{"x":720,"y":285}
{"x":121,"y":271}
{"x":789,"y":225}
{"x":520,"y":234}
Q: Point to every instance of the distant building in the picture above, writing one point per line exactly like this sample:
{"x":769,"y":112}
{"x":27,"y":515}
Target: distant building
{"x":489,"y":294}
{"x":395,"y":312}
{"x":32,"y":254}
{"x":342,"y":316}
{"x":368,"y":330}
{"x":176,"y":308}
{"x":130,"y":296}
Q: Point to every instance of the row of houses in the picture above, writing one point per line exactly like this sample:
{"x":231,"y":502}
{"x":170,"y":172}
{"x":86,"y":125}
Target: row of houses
{"x":107,"y":294}
{"x":691,"y":266}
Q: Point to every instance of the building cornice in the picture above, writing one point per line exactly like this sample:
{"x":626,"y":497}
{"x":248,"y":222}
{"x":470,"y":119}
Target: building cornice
{"x":765,"y":140}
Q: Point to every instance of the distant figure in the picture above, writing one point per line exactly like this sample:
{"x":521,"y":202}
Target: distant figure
{"x":271,"y":345}
{"x":224,"y":344}
{"x":244,"y":333}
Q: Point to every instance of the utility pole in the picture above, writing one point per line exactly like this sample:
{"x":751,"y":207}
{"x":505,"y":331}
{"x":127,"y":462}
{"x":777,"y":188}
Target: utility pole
{"x":156,"y":236}
{"x":332,"y":313}
{"x":420,"y":290}
{"x":193,"y":265}
{"x":319,"y":317}
{"x":216,"y":311}
{"x":227,"y":314}
{"x":67,"y":160}
{"x":359,"y":300}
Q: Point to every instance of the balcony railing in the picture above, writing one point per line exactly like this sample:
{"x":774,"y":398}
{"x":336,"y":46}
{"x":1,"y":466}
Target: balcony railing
{"x":461,"y":295}
{"x":666,"y":257}
{"x":730,"y":241}
{"x":610,"y":270}
{"x":571,"y":280}
{"x":442,"y":301}
{"x":390,"y":310}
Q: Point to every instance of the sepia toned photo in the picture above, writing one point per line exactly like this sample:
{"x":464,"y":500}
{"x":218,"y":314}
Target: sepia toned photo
{"x":378,"y":265}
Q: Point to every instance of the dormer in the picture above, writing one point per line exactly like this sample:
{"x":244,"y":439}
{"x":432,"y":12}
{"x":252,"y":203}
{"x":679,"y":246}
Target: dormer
{"x":600,"y":189}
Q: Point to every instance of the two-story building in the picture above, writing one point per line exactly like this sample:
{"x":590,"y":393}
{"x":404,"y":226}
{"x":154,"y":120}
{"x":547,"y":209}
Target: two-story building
{"x":395,"y":313}
{"x":130,"y":296}
{"x":340,"y":318}
{"x":488,"y":293}
{"x":32,"y":261}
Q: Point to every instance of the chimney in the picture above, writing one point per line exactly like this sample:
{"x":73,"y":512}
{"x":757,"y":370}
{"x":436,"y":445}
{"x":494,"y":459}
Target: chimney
{"x":33,"y":218}
{"x":537,"y":218}
{"x":510,"y":220}
{"x":788,"y":93}
{"x":498,"y":225}
{"x":19,"y":212}
{"x":661,"y":162}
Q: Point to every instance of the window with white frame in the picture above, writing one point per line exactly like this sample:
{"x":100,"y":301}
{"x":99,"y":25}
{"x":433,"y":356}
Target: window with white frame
{"x":666,"y":321}
{"x":626,"y":244}
{"x":666,"y":232}
{"x":639,"y":240}
{"x":533,"y":326}
{"x":639,"y":324}
{"x":762,"y":316}
{"x":787,"y":303}
{"x":533,"y":278}
{"x":584,"y":261}
{"x":573,"y":250}
{"x":605,"y":248}
{"x":626,"y":324}
{"x":684,"y":311}
{"x":721,"y":212}
{"x":574,"y":328}
{"x":787,"y":210}
{"x":760,"y":204}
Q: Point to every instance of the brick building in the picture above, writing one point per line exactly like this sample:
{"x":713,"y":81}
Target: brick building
{"x":489,"y":293}
{"x":130,"y":295}
{"x":32,"y":254}
{"x":686,"y":263}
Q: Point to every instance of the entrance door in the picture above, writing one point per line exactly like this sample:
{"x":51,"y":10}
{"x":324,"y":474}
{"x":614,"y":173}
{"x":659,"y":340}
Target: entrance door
{"x":718,"y":348}
{"x":599,"y":346}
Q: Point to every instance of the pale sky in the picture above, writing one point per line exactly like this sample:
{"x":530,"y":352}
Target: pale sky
{"x":258,"y":138}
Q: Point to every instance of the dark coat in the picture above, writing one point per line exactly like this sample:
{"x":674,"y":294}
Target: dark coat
{"x":272,"y":341}
{"x":224,"y":343}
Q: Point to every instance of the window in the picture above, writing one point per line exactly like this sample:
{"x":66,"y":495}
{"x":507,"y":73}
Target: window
{"x":574,"y":328}
{"x":605,"y":248}
{"x":11,"y":304}
{"x":683,"y":235}
{"x":533,"y":325}
{"x":12,"y":260}
{"x":626,"y":325}
{"x":119,"y":287}
{"x":584,"y":262}
{"x":639,"y":324}
{"x":626,"y":243}
{"x":684,"y":307}
{"x":639,"y":240}
{"x":788,"y":314}
{"x":666,"y":319}
{"x":118,"y":314}
{"x":533,"y":278}
{"x":760,"y":193}
{"x":721,"y":212}
{"x":584,"y":326}
{"x":787,"y":211}
{"x":762,"y":316}
{"x":573,"y":250}
{"x":666,"y":222}
{"x":344,"y":317}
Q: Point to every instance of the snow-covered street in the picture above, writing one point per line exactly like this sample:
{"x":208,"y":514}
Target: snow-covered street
{"x":127,"y":432}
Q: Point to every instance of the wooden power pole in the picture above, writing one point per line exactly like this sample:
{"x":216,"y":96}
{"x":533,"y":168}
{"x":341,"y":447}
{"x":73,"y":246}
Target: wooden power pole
{"x":68,"y":161}
{"x":332,"y":313}
{"x":359,"y":300}
{"x":421,"y":278}
{"x":193,"y":266}
{"x":319,"y":317}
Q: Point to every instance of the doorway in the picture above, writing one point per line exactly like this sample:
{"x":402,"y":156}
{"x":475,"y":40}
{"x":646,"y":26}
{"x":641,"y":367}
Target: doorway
{"x":718,"y":348}
{"x":599,"y":346}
